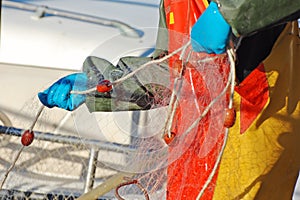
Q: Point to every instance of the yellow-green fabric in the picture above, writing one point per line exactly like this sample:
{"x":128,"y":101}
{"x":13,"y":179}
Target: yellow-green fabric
{"x":263,"y":162}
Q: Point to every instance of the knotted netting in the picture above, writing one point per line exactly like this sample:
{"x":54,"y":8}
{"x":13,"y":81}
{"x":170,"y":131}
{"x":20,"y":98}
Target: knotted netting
{"x":159,"y":130}
{"x":170,"y":111}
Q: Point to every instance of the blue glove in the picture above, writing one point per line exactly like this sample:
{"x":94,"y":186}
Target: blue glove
{"x":211,"y":32}
{"x":59,"y":94}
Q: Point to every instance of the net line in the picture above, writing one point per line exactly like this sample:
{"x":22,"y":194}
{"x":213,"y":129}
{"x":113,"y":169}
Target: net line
{"x":129,"y":75}
{"x":21,"y":149}
{"x":230,"y":54}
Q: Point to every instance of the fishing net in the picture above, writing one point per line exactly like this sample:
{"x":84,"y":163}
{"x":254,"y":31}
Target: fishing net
{"x":162,"y":116}
{"x":166,"y":110}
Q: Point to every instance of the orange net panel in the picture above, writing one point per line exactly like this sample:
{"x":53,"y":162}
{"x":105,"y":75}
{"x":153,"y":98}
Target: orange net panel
{"x":201,"y":146}
{"x":180,"y":17}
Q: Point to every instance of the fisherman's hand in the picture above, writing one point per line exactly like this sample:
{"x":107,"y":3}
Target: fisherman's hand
{"x":59,"y":94}
{"x":211,"y":32}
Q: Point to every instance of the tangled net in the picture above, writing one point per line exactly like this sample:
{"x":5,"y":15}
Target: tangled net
{"x":174,"y":114}
{"x":159,"y":116}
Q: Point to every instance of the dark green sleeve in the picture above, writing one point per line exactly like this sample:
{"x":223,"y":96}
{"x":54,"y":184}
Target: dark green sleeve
{"x":145,"y":90}
{"x":247,"y":16}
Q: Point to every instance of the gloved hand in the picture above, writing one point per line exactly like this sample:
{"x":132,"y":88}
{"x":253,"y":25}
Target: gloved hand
{"x":211,"y":32}
{"x":59,"y":94}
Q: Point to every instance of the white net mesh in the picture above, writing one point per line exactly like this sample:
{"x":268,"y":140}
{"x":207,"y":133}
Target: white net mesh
{"x":192,"y":109}
{"x":131,"y":154}
{"x":42,"y":171}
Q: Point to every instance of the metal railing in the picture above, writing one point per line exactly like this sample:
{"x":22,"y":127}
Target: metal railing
{"x":93,"y":146}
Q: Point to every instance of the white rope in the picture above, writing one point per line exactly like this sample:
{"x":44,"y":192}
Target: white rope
{"x":129,"y":75}
{"x":232,"y":80}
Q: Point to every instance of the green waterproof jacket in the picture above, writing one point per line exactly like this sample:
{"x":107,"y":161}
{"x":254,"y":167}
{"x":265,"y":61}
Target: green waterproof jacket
{"x":247,"y":16}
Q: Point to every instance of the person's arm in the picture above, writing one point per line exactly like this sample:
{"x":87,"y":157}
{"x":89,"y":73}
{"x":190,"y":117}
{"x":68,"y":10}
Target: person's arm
{"x":248,"y":16}
{"x":145,"y":90}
